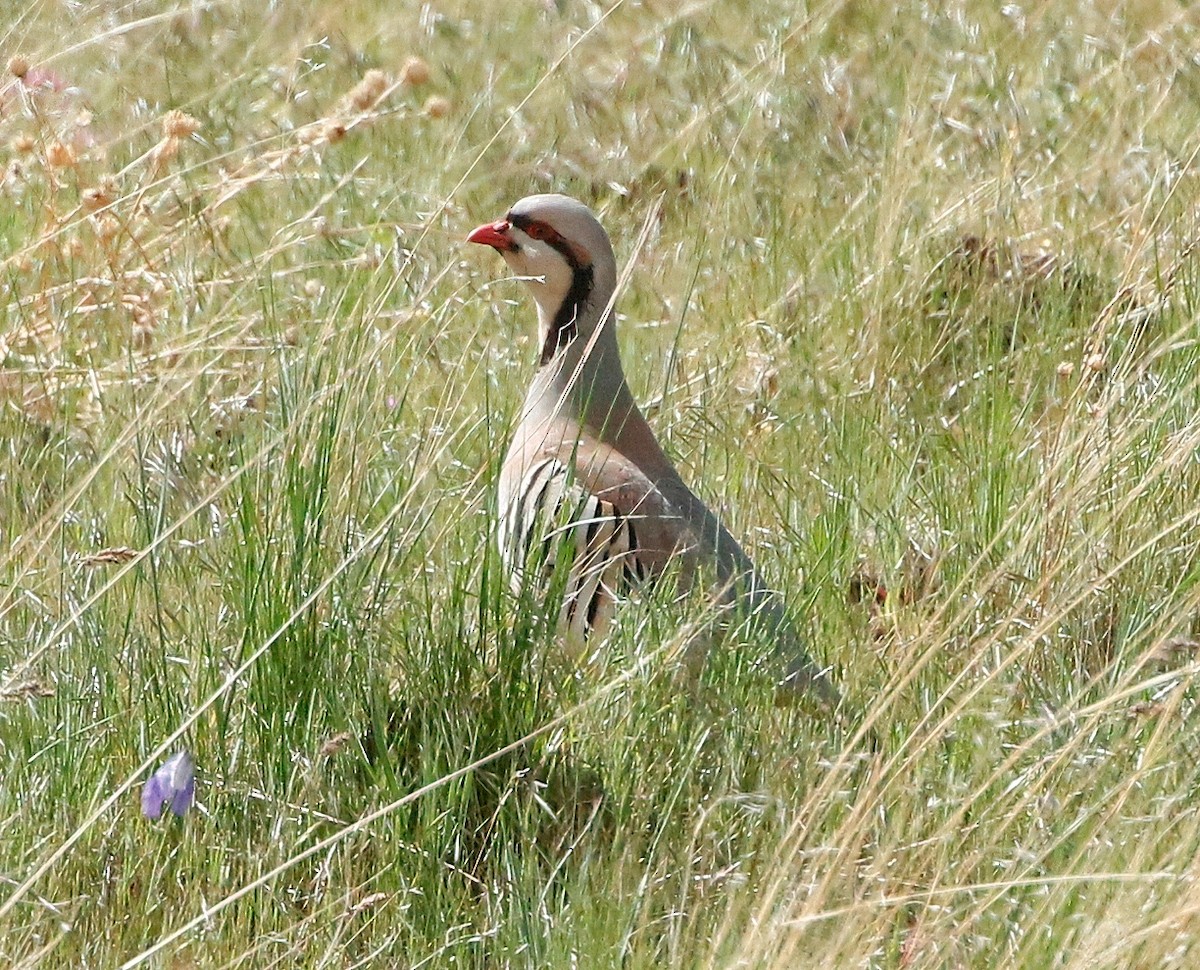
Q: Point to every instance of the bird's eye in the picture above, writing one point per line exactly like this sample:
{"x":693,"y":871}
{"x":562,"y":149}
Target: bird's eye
{"x":539,"y":230}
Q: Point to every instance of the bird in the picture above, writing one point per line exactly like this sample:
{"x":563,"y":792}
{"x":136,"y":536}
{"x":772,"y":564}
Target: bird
{"x":584,"y":475}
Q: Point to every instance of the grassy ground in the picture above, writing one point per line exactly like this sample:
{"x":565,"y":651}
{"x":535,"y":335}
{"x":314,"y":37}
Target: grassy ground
{"x":918,"y":311}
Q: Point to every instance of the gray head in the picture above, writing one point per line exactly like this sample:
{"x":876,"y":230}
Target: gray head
{"x":563,"y":253}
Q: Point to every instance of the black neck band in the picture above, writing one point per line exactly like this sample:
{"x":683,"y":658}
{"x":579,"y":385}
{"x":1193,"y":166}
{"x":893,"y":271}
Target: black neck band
{"x":565,"y":326}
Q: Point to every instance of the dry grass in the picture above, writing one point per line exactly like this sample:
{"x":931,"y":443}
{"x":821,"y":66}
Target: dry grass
{"x":918,"y":309}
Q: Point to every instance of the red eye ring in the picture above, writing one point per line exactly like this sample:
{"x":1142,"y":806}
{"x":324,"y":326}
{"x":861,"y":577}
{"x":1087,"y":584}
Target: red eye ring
{"x":539,"y":230}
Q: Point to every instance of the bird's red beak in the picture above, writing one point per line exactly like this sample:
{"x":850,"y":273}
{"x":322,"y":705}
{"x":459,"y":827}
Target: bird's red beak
{"x":494,"y":234}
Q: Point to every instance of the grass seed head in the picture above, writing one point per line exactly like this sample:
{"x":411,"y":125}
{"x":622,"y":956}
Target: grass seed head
{"x":437,"y":106}
{"x":107,"y":229}
{"x":335,"y":744}
{"x":100,"y":195}
{"x":369,"y":90}
{"x":178,"y":124}
{"x":18,"y":65}
{"x":22,"y":144}
{"x":60,"y":155}
{"x":415,"y":72}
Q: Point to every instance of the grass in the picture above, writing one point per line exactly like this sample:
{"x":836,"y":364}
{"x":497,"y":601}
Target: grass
{"x":918,"y":314}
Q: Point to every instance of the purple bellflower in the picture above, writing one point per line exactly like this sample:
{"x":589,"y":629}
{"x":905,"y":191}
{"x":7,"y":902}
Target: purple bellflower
{"x":174,"y":783}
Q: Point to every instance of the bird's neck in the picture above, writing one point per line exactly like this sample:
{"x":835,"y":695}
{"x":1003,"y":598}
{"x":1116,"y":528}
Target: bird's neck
{"x":580,"y":378}
{"x":560,"y":317}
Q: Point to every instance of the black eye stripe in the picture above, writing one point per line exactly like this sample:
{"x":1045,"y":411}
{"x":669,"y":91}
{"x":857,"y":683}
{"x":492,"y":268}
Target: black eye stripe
{"x":556,"y":241}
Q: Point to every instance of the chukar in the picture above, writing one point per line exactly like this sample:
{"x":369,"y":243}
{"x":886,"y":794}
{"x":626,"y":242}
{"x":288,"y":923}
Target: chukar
{"x":584,"y":472}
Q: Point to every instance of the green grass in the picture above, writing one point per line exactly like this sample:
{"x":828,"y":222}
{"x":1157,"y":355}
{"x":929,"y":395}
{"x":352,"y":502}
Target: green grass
{"x":918,"y":315}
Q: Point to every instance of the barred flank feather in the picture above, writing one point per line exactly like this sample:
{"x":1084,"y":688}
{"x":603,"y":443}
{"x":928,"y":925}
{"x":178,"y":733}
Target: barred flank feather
{"x":548,"y":518}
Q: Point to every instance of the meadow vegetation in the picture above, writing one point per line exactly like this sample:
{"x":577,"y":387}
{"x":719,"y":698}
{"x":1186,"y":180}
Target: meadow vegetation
{"x":917,"y":310}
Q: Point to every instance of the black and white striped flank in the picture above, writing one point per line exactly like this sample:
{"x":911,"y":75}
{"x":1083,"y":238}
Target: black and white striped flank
{"x":549,"y":518}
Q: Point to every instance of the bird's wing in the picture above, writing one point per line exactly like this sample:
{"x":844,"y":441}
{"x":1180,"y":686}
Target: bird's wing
{"x":623,"y":528}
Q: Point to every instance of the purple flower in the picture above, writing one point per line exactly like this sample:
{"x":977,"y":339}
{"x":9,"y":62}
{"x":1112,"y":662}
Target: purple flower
{"x":174,"y":782}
